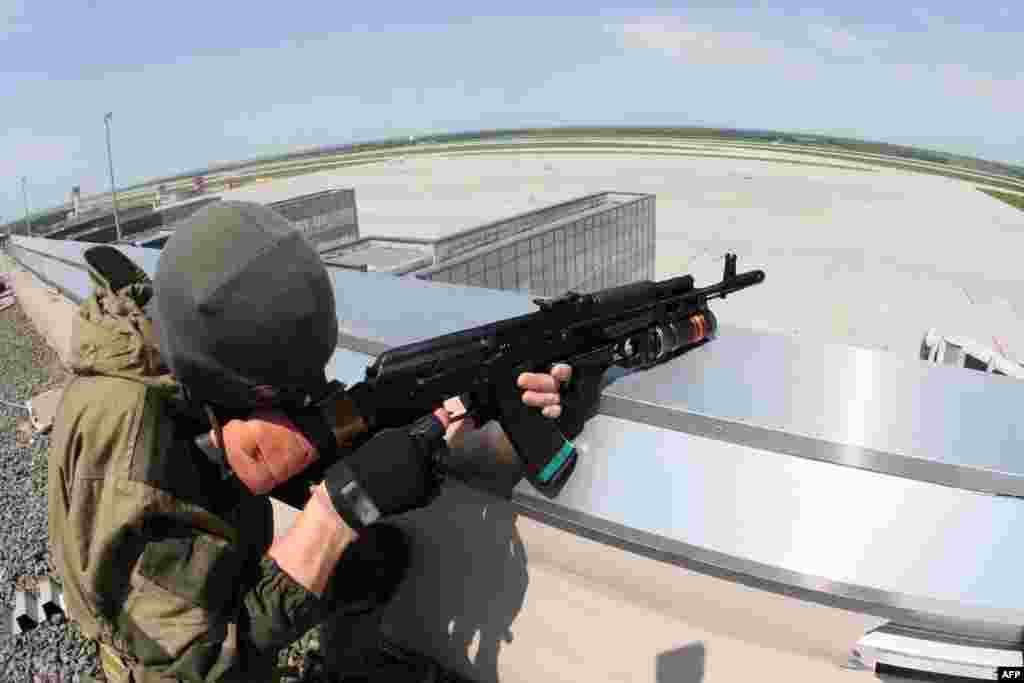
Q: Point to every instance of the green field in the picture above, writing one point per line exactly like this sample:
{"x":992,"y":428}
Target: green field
{"x":1015,"y":200}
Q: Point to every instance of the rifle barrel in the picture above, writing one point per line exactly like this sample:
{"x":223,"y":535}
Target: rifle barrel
{"x":733,"y":284}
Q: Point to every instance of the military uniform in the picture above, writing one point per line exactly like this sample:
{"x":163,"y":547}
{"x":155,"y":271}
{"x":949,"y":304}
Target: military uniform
{"x":162,"y":560}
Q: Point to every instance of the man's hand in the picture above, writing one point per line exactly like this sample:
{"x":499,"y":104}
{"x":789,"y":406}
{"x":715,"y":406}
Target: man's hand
{"x":266,"y":449}
{"x":542,"y":390}
{"x":455,"y":431}
{"x":396,"y":471}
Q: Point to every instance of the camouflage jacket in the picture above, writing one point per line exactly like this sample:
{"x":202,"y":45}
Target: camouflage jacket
{"x":160,"y":559}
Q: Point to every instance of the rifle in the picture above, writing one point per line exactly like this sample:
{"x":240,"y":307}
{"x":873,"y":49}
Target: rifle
{"x":638,"y":325}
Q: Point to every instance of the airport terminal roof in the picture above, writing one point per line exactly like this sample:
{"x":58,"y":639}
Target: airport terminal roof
{"x":402,"y":200}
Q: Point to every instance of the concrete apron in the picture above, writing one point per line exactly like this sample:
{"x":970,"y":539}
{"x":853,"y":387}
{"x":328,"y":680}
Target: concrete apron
{"x":50,"y":313}
{"x":499,"y":596}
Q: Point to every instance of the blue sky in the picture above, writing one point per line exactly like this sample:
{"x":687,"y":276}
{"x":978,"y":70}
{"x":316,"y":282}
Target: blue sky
{"x":196,"y":83}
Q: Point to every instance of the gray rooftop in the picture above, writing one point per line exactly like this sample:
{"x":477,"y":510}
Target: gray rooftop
{"x":379,"y":256}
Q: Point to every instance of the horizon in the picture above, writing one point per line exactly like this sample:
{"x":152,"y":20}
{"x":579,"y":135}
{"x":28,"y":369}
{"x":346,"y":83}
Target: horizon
{"x":319,"y":148}
{"x":239,"y":85}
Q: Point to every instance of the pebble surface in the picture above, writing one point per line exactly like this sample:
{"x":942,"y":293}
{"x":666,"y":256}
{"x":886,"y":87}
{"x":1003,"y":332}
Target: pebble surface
{"x":55,"y":650}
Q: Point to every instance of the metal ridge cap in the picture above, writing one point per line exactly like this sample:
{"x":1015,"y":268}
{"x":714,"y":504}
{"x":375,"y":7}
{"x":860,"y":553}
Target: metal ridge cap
{"x":59,"y":286}
{"x":921,"y":611}
{"x":593,"y":196}
{"x":792,"y":442}
{"x":361,"y":344}
{"x":924,"y":555}
{"x":53,"y":257}
{"x":834,"y":403}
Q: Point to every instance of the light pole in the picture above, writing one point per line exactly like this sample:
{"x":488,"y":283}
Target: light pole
{"x":113,"y":187}
{"x":24,"y":194}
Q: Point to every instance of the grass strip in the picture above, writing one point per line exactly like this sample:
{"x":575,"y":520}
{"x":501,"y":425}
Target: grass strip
{"x":1015,"y":200}
{"x":646,"y":149}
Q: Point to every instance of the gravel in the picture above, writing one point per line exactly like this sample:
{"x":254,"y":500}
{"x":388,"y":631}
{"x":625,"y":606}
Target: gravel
{"x":28,"y":367}
{"x":48,"y":649}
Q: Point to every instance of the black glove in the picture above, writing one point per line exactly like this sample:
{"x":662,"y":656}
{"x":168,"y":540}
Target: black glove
{"x":396,"y":471}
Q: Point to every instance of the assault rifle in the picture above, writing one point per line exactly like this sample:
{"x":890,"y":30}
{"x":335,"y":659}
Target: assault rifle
{"x":633,"y":326}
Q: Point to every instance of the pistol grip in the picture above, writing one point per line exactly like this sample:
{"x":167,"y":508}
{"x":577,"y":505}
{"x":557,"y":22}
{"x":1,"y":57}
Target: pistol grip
{"x":548,"y":457}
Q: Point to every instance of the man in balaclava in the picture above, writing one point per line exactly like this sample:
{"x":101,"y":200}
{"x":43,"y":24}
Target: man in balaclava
{"x":168,"y":563}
